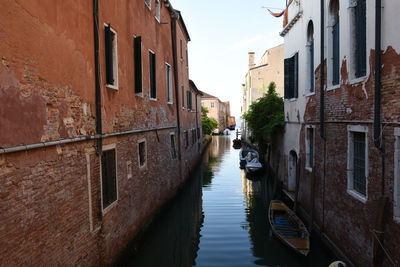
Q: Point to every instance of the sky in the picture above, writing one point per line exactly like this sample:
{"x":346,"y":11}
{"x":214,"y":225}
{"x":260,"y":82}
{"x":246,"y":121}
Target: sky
{"x":222,"y":32}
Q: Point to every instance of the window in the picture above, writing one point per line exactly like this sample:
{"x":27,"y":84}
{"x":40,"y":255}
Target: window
{"x":173,"y":149}
{"x":108,"y":177}
{"x":158,"y":10}
{"x":198,"y":132}
{"x":193,"y":136}
{"x":189,"y":99}
{"x":187,"y":58}
{"x":212,"y":104}
{"x":309,"y":148}
{"x":183,"y":97}
{"x":334,"y":43}
{"x":148,"y":3}
{"x":137,"y":54}
{"x":310,"y":57}
{"x":142,"y":149}
{"x":396,"y":196}
{"x":359,"y":38}
{"x":357,"y":161}
{"x":152,"y":65}
{"x":186,"y":139}
{"x":181,"y":48}
{"x":111,"y":56}
{"x":168,"y":75}
{"x":291,"y":77}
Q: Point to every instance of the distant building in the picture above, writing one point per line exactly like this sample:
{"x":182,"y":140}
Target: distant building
{"x":259,"y":76}
{"x":217,"y":109}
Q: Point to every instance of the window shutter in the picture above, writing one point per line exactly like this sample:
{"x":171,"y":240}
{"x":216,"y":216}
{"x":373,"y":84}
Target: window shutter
{"x":336,"y":54}
{"x":153,"y":90}
{"x":137,"y":47}
{"x":296,"y":75}
{"x":361,"y":37}
{"x":109,"y":38}
{"x":287,"y":78}
{"x":312,"y":77}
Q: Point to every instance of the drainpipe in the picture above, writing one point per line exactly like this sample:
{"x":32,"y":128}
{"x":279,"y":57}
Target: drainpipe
{"x":322,"y":69}
{"x":378,"y":66}
{"x":99,"y":126}
{"x":174,"y":18}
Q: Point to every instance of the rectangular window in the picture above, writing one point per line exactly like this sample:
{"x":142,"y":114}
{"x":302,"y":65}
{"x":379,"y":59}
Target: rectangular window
{"x":360,"y":31}
{"x":181,"y":48}
{"x":137,"y":54}
{"x":148,"y":3}
{"x":168,"y":75}
{"x":335,"y":53}
{"x":212,"y":104}
{"x":357,"y":161}
{"x":108,"y":177}
{"x":152,"y":64}
{"x":183,"y":97}
{"x":291,"y":77}
{"x":187,"y":59}
{"x":198,"y":133}
{"x":186,"y":139}
{"x":111,"y":57}
{"x":158,"y":10}
{"x":142,"y":149}
{"x":189,"y":99}
{"x":396,"y":197}
{"x":310,"y":148}
{"x":173,"y":148}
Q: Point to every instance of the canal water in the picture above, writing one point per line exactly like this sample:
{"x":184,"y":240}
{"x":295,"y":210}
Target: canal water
{"x":219,"y":219}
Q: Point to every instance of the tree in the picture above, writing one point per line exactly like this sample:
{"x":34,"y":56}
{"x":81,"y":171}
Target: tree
{"x":265,"y":116}
{"x":209,"y":124}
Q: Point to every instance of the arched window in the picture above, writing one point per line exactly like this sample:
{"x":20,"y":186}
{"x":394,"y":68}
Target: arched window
{"x":358,"y":20}
{"x":334,"y":42}
{"x":310,"y":57}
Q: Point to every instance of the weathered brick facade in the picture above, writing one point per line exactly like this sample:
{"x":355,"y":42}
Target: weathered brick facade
{"x":50,"y":171}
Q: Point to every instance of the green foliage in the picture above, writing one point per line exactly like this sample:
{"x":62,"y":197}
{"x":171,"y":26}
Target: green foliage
{"x":265,"y":116}
{"x":209,"y":124}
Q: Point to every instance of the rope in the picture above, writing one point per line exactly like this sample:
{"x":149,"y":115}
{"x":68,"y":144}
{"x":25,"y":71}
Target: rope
{"x":383,"y":248}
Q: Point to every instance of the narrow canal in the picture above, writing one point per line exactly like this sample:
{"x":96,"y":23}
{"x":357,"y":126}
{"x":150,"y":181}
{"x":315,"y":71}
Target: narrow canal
{"x":219,"y":219}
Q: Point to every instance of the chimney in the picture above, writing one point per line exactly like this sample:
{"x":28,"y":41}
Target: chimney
{"x":251,"y":60}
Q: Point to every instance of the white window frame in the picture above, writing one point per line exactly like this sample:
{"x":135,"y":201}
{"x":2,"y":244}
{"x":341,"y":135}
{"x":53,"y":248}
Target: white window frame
{"x":170,"y":99}
{"x":352,"y":38}
{"x":148,"y":3}
{"x":115,"y":58}
{"x":330,"y":85}
{"x":350,"y":158}
{"x":396,"y":191}
{"x":144,"y":166}
{"x":310,"y":168}
{"x":106,"y":148}
{"x":158,"y":10}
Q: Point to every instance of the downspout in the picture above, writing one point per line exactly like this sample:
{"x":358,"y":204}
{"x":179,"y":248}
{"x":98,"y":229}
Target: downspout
{"x":378,"y":66}
{"x":322,"y":107}
{"x":174,"y":17}
{"x":99,"y":127}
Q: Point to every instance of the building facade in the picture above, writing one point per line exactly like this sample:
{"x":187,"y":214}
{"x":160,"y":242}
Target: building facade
{"x":89,"y":118}
{"x":218,"y":110}
{"x":259,"y":76}
{"x":341,"y":144}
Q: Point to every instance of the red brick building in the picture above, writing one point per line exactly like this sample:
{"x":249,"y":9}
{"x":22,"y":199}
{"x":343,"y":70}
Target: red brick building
{"x":346,"y":165}
{"x":89,"y":126}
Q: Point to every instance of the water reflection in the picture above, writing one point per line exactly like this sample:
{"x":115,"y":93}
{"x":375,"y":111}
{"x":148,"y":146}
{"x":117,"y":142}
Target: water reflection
{"x":220,"y":219}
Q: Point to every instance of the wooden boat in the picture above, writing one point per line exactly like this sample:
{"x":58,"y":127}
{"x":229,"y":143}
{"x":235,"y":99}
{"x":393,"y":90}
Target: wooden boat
{"x":237,"y":143}
{"x":288,"y":227}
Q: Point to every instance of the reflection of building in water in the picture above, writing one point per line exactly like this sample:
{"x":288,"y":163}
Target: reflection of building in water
{"x":250,"y":187}
{"x":174,"y":240}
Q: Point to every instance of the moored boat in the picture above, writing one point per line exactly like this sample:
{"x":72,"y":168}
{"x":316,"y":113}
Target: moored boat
{"x":288,"y":227}
{"x":243,"y":154}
